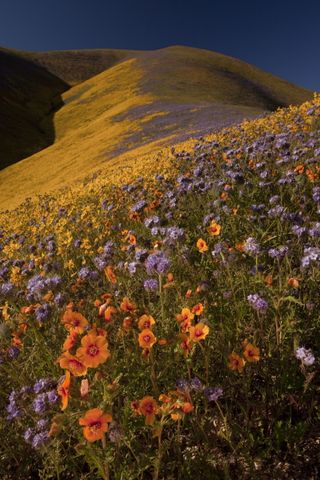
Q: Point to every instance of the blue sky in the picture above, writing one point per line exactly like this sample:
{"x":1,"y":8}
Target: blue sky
{"x":281,"y":37}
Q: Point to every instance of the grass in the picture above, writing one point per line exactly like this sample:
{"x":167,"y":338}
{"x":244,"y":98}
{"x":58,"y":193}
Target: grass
{"x":188,"y":295}
{"x":142,"y":103}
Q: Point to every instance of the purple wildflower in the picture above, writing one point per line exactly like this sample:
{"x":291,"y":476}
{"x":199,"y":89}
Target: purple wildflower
{"x":258,"y":303}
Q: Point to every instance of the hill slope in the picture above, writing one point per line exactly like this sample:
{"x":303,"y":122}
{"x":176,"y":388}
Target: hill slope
{"x":141,"y":102}
{"x":29,"y":97}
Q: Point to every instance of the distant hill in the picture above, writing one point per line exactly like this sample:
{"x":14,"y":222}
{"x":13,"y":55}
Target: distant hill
{"x":120,"y":104}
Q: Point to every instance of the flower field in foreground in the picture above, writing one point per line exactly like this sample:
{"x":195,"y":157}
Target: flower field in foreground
{"x":168,"y":327}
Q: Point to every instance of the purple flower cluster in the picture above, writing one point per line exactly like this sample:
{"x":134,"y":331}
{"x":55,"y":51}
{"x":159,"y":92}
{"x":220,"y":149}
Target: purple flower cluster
{"x":306,"y":356}
{"x":258,"y":303}
{"x":157,"y":262}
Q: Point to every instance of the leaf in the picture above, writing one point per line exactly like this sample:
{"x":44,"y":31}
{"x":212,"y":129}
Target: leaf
{"x":292,"y":300}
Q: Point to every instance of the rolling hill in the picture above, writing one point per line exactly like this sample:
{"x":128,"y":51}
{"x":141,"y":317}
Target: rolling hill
{"x":122,"y":105}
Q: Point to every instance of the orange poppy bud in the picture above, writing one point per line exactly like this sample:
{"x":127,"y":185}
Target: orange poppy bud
{"x":293,"y":282}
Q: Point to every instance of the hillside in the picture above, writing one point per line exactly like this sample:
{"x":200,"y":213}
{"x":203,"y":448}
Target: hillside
{"x":29,"y":97}
{"x":142,"y":102}
{"x":168,"y":327}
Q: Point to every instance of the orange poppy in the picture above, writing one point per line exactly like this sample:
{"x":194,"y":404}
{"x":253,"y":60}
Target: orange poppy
{"x":214,"y":229}
{"x":146,"y":338}
{"x":187,"y":407}
{"x":127,"y":306}
{"x":94,"y":350}
{"x":198,"y":332}
{"x":131,"y":239}
{"x":185,"y":314}
{"x":198,"y":309}
{"x":63,"y":390}
{"x":73,"y":364}
{"x":109,"y":312}
{"x":236,"y":362}
{"x":146,"y":321}
{"x":111,"y":276}
{"x":70,"y":341}
{"x":185,"y":344}
{"x":95,"y":423}
{"x":251,"y":353}
{"x":148,"y":407}
{"x":202,"y":246}
{"x":127,"y":323}
{"x":74,"y":321}
{"x":293,"y":282}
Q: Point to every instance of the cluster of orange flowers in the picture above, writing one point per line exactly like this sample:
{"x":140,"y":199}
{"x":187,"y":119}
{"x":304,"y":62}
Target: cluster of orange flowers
{"x":190,"y":333}
{"x":250,"y":353}
{"x":92,"y":352}
{"x":174,"y":404}
{"x":214,"y":230}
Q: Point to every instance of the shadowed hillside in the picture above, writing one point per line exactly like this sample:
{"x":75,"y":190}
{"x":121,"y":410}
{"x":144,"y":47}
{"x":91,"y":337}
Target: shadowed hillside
{"x":29,"y":97}
{"x":140,"y":103}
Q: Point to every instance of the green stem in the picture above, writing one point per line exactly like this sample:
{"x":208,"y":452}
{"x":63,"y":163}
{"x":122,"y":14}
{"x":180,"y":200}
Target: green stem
{"x":158,"y":459}
{"x":105,"y":467}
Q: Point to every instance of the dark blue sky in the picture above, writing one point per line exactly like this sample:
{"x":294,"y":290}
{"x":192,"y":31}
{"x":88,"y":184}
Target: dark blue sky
{"x":282,"y":37}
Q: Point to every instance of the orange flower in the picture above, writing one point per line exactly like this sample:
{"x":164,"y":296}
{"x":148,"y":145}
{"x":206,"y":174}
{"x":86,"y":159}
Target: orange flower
{"x":73,"y":364}
{"x":95,"y":423}
{"x":146,"y":321}
{"x":187,"y":407}
{"x":170,"y":277}
{"x":131,"y":239}
{"x":148,"y":407}
{"x":185,"y":344}
{"x":293,"y":282}
{"x":251,"y":353}
{"x":63,"y":390}
{"x":70,"y":341}
{"x":198,"y":309}
{"x":214,"y":229}
{"x":185,"y":315}
{"x":268,"y":280}
{"x":127,"y":306}
{"x":236,"y":362}
{"x":74,"y":321}
{"x":198,"y":332}
{"x":146,"y":338}
{"x":202,"y":246}
{"x":93,"y":351}
{"x":299,"y":169}
{"x":111,"y":276}
{"x":176,"y":416}
{"x":127,"y":323}
{"x":108,"y":313}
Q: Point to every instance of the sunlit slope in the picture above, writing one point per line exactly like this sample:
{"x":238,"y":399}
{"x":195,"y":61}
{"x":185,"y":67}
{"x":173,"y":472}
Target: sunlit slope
{"x":29,"y":97}
{"x":139,"y":105}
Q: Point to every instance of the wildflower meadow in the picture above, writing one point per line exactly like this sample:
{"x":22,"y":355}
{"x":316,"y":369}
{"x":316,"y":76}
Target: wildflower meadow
{"x":168,"y":327}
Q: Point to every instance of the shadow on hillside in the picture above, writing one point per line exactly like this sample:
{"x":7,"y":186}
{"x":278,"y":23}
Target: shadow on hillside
{"x":29,"y":98}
